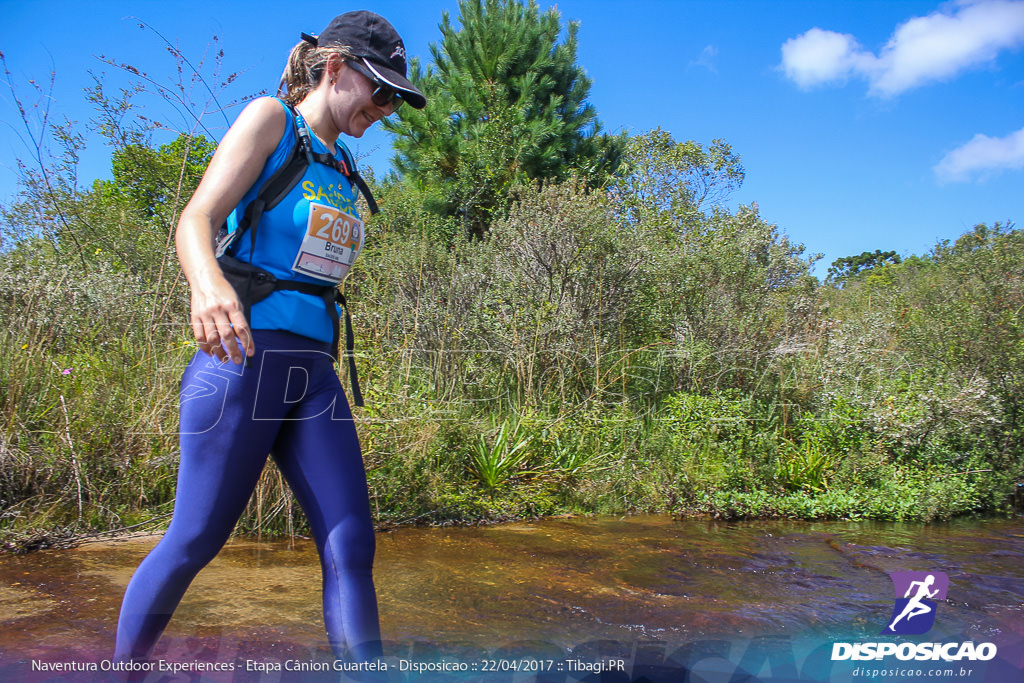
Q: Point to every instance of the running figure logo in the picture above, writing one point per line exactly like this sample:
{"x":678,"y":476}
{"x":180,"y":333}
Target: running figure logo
{"x":917,"y":596}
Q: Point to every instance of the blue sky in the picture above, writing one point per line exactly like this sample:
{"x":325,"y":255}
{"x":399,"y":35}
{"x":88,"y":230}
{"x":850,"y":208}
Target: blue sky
{"x":878,"y":124}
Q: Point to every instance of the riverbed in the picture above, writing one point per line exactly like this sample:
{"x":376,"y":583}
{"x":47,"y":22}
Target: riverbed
{"x":649,"y":591}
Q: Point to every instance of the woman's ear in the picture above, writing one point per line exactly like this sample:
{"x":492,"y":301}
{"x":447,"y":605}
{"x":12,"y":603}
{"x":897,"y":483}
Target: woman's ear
{"x":335,"y":63}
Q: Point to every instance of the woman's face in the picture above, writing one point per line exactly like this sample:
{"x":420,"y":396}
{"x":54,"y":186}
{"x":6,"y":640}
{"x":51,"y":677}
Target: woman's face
{"x":353,"y":110}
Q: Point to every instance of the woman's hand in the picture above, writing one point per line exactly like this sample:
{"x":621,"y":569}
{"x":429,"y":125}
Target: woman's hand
{"x":218,"y":322}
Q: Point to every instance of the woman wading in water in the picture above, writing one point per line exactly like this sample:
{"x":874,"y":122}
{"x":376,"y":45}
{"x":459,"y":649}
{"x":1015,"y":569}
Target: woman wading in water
{"x":267,"y":305}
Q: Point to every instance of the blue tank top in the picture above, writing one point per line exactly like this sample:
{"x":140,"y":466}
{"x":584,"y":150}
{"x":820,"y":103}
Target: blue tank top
{"x":317,"y":219}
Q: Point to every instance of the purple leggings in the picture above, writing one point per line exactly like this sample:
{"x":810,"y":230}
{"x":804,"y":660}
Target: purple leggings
{"x":290,"y":403}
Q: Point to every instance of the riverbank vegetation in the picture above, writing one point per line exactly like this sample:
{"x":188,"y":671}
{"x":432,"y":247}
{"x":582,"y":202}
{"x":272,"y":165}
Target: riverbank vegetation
{"x":584,"y":328}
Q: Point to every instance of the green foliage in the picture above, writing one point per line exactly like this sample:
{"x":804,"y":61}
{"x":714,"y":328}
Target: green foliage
{"x":931,"y":349}
{"x":538,"y":309}
{"x":578,"y":447}
{"x":507,"y":104}
{"x":500,"y":456}
{"x":741,"y":299}
{"x":155,"y":180}
{"x":805,"y":467}
{"x":847,"y":267}
{"x":728,"y":294}
{"x":676,"y":184}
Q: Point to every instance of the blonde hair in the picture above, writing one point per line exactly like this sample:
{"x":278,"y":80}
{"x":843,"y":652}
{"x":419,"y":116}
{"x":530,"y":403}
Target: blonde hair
{"x":305,"y":69}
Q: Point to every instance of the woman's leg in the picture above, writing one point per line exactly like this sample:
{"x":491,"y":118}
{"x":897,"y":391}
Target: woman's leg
{"x":318,"y":452}
{"x":223,"y":450}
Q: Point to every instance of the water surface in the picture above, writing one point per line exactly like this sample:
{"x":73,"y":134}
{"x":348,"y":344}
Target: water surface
{"x":557,"y":583}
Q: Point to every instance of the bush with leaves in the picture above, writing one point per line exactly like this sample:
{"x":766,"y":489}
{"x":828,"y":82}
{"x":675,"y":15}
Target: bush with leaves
{"x":930,"y":351}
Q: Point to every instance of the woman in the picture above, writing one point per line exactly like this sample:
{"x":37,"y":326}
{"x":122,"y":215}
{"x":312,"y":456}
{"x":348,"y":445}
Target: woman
{"x":343,"y":81}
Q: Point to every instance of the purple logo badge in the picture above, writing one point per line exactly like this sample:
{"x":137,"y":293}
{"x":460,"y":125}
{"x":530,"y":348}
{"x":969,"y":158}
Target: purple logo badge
{"x":917,"y":596}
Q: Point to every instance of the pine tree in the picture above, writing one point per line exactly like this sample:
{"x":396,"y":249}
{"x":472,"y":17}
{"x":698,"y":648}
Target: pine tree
{"x":507,"y":104}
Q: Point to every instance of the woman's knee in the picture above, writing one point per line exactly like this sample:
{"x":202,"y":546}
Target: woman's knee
{"x":351,"y":545}
{"x":192,"y":549}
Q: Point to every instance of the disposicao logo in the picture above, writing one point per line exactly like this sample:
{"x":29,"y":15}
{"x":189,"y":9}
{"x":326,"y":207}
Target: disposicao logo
{"x":913,"y":613}
{"x":917,"y":597}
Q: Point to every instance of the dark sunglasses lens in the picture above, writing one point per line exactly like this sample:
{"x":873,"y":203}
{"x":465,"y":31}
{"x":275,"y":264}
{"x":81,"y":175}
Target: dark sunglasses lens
{"x":384,"y":95}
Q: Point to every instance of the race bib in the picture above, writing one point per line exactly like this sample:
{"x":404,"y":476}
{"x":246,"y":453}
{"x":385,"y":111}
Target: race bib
{"x":332,"y":241}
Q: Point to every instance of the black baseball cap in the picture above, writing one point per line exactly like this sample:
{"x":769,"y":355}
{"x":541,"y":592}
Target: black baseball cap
{"x":370,"y":37}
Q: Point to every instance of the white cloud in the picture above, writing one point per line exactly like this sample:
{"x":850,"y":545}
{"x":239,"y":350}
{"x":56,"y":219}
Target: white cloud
{"x":820,"y":56}
{"x":982,"y":156}
{"x":921,"y":50}
{"x":706,"y":59}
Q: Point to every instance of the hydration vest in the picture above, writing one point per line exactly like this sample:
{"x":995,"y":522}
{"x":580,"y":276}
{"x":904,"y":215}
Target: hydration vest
{"x":252,"y":284}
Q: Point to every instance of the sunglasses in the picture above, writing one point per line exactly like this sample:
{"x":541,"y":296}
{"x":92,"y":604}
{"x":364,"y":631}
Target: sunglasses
{"x":384,"y":93}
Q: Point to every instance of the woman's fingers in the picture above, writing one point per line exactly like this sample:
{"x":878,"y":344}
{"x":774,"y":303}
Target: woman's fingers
{"x":241,"y":328}
{"x":224,"y":336}
{"x":219,"y":327}
{"x":209,"y":337}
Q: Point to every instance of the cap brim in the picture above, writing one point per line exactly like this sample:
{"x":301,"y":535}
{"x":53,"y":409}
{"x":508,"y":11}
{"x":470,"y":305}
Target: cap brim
{"x":410,"y":93}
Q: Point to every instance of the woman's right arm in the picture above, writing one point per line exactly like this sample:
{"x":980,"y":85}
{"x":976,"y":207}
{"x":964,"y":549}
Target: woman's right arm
{"x":217,"y":315}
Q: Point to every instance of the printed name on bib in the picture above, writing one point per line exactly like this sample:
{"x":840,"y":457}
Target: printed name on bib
{"x":332,"y":241}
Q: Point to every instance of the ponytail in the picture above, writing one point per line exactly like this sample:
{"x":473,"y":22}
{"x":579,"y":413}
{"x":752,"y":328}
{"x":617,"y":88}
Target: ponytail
{"x":305,"y":69}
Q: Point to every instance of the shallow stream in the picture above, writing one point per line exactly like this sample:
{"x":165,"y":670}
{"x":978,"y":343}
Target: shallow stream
{"x":588,"y":588}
